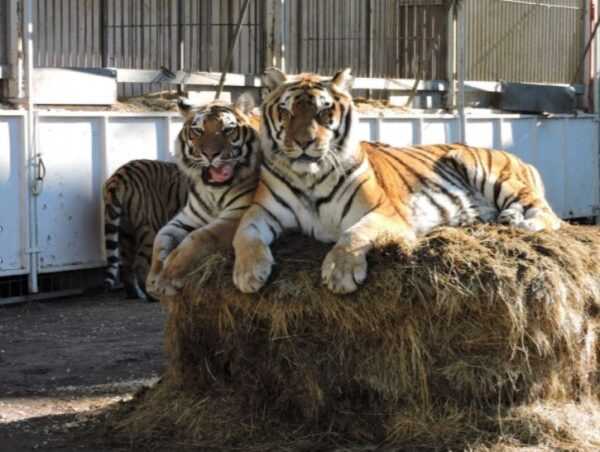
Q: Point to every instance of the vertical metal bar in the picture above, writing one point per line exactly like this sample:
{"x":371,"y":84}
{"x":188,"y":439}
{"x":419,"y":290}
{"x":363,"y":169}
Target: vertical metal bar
{"x":103,"y":33}
{"x":451,"y":56}
{"x":180,"y":45}
{"x":15,"y":84}
{"x":229,"y":58}
{"x":209,"y":40}
{"x":369,"y":41}
{"x":299,"y":46}
{"x":27,"y":33}
{"x":461,"y":72}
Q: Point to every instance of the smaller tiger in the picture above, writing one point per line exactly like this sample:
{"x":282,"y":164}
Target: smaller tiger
{"x":139,"y":198}
{"x":218,"y":150}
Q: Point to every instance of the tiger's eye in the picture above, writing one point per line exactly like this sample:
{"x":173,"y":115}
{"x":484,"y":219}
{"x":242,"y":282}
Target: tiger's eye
{"x":324,"y":116}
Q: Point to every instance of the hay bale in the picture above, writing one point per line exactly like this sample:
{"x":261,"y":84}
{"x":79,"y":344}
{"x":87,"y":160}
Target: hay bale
{"x":436,"y":349}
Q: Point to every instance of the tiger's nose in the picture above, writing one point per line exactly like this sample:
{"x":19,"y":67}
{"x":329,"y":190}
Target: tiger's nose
{"x":304,"y":144}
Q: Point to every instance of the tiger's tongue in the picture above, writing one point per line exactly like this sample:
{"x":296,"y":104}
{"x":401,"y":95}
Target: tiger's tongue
{"x":220,"y":174}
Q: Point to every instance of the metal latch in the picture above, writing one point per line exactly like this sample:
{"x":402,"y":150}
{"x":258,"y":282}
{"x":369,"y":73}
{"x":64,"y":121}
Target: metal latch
{"x":40,"y":175}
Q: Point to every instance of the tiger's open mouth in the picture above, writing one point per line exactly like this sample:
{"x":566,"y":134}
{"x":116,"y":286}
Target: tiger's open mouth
{"x":220,"y":174}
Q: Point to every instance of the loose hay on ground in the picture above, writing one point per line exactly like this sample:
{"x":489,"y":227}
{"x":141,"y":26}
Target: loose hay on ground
{"x":441,"y":347}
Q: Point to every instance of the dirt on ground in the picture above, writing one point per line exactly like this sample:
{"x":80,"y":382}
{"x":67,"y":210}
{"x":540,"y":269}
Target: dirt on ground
{"x":62,"y":361}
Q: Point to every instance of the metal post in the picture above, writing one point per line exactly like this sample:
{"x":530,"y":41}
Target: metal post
{"x":451,"y":57}
{"x":181,"y":48}
{"x":229,"y":59}
{"x":15,"y":82}
{"x":370,"y":42}
{"x":283,"y":31}
{"x":461,"y":39}
{"x":32,"y":157}
{"x":103,"y":33}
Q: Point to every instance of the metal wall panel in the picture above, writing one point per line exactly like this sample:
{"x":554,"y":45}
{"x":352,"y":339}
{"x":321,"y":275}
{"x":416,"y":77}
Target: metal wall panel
{"x":523,"y":41}
{"x":14,"y":213}
{"x":136,"y":138}
{"x":69,"y":214}
{"x":564,"y":149}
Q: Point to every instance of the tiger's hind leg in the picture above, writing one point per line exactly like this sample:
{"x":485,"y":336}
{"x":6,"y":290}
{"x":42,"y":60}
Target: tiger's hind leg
{"x":127,"y":269}
{"x":525,"y":205}
{"x":507,"y":183}
{"x":142,"y":265}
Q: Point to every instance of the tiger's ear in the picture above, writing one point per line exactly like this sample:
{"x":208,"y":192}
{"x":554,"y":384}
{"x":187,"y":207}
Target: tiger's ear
{"x":245,"y":103}
{"x":273,"y":78}
{"x":185,"y":107}
{"x":343,"y":79}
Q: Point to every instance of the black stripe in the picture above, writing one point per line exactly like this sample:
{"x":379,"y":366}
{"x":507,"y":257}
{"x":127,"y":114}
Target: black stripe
{"x":322,"y":178}
{"x":110,"y":228}
{"x":182,"y":225}
{"x":351,"y":199}
{"x":196,"y":213}
{"x":425,"y":184}
{"x":298,"y":192}
{"x":111,"y":245}
{"x":283,"y":202}
{"x":197,"y":196}
{"x":273,"y":217}
{"x":112,"y":259}
{"x":457,"y":201}
{"x":112,"y":212}
{"x":238,"y":196}
{"x":340,"y":182}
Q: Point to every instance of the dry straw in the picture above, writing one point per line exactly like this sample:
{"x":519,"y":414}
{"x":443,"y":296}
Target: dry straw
{"x":478,"y":338}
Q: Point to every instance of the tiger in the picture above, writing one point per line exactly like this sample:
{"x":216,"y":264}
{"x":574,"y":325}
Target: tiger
{"x":138,"y":198}
{"x":218,"y":149}
{"x":318,"y":178}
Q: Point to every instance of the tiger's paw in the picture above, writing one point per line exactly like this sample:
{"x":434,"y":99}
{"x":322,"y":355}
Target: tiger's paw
{"x":344,"y":270}
{"x":252,"y":267}
{"x":153,"y":278}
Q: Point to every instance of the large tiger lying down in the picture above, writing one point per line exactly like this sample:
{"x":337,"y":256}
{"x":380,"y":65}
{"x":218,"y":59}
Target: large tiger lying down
{"x":318,"y":178}
{"x":217,"y":149}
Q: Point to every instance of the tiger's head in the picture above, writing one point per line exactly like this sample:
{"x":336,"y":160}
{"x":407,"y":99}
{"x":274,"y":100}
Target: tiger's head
{"x":217,"y":142}
{"x":308,"y":119}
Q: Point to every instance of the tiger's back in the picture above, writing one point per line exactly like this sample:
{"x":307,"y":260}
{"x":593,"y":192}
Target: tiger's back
{"x":139,"y":198}
{"x":457,"y":185}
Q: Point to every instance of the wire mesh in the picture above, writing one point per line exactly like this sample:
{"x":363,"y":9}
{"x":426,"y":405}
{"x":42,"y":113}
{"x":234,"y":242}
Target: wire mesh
{"x":16,"y":286}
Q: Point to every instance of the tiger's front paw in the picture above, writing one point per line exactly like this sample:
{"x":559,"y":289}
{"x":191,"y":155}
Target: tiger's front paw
{"x":252,"y":267}
{"x":153,"y":278}
{"x":343,"y":270}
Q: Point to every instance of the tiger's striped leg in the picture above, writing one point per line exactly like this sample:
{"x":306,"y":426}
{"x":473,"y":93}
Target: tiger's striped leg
{"x":345,"y":266}
{"x":199,"y":244}
{"x":525,"y":205}
{"x":167,"y":239}
{"x":253,"y":258}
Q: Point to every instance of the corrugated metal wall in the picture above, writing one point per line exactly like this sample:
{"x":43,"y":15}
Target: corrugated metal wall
{"x":144,"y":34}
{"x":514,"y":40}
{"x":3,"y":32}
{"x":379,"y":38}
{"x":523,"y":40}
